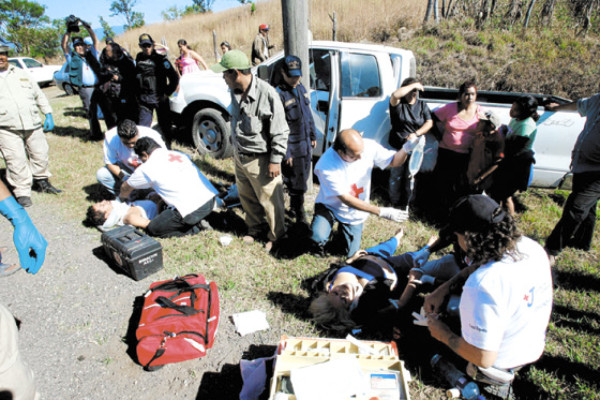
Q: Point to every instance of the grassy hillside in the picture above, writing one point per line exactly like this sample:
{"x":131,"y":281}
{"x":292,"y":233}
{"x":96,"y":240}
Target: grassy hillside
{"x":546,"y":58}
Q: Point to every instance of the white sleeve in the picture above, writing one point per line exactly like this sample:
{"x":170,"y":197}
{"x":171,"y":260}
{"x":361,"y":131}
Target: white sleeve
{"x":110,"y":155}
{"x":139,"y":179}
{"x":481,"y":322}
{"x":382,"y":157}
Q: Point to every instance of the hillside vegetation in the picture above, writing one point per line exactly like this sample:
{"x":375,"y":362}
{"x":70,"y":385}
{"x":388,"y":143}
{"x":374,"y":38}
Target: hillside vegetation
{"x":545,"y":58}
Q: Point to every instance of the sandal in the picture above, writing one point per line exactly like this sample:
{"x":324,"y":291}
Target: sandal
{"x":8,"y":269}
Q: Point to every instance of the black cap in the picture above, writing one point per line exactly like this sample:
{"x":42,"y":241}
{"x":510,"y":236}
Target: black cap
{"x":293,"y":66}
{"x":109,"y":40}
{"x":475,"y":213}
{"x":77,"y":41}
{"x":145,"y":39}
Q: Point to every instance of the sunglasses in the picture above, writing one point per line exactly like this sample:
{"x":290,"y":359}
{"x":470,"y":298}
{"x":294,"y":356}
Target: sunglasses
{"x":146,"y":46}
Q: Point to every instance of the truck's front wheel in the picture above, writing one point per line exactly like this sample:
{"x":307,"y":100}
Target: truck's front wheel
{"x":210,"y":133}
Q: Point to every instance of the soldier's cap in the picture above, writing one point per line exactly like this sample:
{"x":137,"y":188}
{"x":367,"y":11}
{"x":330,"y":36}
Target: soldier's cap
{"x":475,"y":213}
{"x":78,"y":41}
{"x":234,"y":59}
{"x":492,"y":117}
{"x":109,"y":40}
{"x":293,"y":66}
{"x":4,"y":48}
{"x":145,"y":39}
{"x":263,"y":27}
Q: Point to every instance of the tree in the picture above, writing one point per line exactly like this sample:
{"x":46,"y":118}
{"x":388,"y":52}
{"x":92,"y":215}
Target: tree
{"x":202,"y":6}
{"x":108,"y":32}
{"x":133,"y":19}
{"x":170,"y":14}
{"x":528,"y":15}
{"x":19,"y":22}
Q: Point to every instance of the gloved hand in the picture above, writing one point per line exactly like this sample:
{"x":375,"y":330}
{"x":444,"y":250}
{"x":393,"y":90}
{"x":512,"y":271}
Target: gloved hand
{"x":410,"y":145}
{"x":48,"y":123}
{"x":420,"y":257}
{"x":420,"y":319}
{"x":29,"y":242}
{"x":393,"y":214}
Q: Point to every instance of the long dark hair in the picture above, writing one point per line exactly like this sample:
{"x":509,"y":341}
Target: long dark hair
{"x":494,"y":243}
{"x":527,"y":107}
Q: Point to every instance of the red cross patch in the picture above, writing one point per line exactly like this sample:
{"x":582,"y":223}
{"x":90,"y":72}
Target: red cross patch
{"x":356,"y":191}
{"x":175,"y":157}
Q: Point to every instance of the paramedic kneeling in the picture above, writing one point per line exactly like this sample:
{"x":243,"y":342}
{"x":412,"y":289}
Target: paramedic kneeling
{"x":181,"y":185}
{"x":506,"y":300}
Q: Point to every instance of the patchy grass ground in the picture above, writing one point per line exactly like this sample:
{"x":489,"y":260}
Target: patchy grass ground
{"x":256,"y":280}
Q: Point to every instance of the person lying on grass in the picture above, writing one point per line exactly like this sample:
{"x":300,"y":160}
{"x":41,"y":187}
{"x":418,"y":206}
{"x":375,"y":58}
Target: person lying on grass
{"x":110,"y":213}
{"x":372,"y":284}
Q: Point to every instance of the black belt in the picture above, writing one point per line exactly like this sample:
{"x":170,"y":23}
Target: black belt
{"x":88,"y":86}
{"x":241,"y":153}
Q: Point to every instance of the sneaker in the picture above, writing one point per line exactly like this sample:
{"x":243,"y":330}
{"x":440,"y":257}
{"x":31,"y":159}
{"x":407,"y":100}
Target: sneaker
{"x":44,"y":186}
{"x":24,"y":201}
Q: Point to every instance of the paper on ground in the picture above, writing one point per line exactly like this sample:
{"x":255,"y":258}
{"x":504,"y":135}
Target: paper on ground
{"x":338,"y":379}
{"x":250,"y":321}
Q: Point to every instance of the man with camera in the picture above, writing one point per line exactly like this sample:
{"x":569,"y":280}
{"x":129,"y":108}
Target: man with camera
{"x":81,"y":74}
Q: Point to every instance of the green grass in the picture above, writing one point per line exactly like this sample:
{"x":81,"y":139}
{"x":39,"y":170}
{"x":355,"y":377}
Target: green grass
{"x":250,"y":279}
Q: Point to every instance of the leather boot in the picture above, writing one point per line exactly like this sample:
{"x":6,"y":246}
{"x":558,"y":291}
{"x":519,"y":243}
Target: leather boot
{"x":44,"y":186}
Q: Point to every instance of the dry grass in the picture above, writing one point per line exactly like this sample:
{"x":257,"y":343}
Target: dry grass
{"x":238,"y":27}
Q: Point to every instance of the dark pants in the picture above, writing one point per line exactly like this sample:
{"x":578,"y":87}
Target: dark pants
{"x":295,"y":179}
{"x":170,"y":223}
{"x":576,"y":226}
{"x":99,"y":99}
{"x":450,"y":180}
{"x":163,"y":114}
{"x":399,"y":185}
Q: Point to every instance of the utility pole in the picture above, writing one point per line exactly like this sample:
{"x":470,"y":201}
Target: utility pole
{"x":295,"y":33}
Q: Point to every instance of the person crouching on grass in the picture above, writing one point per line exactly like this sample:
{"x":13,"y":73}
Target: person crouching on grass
{"x":506,"y":300}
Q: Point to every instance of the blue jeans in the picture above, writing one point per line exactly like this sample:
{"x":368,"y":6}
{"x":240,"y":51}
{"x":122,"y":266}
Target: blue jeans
{"x":385,"y":249}
{"x":109,"y":181}
{"x":322,"y":225}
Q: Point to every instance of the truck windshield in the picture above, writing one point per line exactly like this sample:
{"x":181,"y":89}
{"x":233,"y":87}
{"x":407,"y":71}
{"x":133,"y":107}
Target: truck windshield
{"x":360,"y":76}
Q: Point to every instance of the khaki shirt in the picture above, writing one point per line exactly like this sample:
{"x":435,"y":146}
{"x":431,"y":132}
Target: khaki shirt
{"x":258,"y":124}
{"x":21,"y":99}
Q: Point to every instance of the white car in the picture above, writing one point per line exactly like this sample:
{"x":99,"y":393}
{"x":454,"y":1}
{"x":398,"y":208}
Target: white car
{"x":61,"y":79}
{"x":42,"y":74}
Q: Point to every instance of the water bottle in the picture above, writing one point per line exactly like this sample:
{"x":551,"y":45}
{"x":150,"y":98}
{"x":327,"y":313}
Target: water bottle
{"x":468,"y":389}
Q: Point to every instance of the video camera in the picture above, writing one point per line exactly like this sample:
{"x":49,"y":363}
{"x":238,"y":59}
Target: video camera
{"x":73,"y":23}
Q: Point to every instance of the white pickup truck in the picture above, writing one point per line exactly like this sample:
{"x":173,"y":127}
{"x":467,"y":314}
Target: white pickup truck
{"x":42,"y":74}
{"x":350,"y":88}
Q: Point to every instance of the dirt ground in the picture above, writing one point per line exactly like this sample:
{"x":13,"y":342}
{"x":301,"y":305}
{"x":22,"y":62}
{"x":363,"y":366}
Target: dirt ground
{"x":76,"y":323}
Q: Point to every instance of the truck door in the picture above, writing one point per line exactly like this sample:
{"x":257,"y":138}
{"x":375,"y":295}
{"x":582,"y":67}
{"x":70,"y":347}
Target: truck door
{"x":324,"y":96}
{"x":363,"y":102}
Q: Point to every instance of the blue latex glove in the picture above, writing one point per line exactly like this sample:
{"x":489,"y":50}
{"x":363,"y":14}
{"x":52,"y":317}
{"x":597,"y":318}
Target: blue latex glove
{"x":49,"y":123}
{"x":420,"y":257}
{"x":29,"y":242}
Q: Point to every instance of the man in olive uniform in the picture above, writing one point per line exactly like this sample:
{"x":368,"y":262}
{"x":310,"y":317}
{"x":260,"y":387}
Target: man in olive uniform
{"x":302,"y":138}
{"x":22,"y":140}
{"x":157,"y":80}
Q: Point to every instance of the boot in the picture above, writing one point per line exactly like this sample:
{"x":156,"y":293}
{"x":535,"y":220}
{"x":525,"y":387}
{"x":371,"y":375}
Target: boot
{"x":297,"y":208}
{"x":44,"y":186}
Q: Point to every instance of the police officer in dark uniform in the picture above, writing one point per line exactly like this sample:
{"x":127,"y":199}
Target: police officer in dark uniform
{"x":295,"y":166}
{"x":157,"y":80}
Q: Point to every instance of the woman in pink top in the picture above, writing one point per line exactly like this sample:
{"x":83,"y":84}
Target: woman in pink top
{"x":458,"y":124}
{"x":188,"y":60}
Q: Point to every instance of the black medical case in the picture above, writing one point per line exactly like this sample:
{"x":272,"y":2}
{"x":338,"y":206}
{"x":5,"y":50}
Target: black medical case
{"x":136,"y":253}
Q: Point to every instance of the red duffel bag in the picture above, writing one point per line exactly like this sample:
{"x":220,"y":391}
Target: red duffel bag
{"x":178,"y":322}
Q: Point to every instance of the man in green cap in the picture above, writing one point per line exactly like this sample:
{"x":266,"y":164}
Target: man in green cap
{"x":259,"y":134}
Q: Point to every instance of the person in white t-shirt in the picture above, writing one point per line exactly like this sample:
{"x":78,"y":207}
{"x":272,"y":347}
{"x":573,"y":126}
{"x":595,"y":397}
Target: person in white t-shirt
{"x":506,"y":300}
{"x":110,"y":213}
{"x":119,"y":157}
{"x":344,"y":173}
{"x":189,"y":195}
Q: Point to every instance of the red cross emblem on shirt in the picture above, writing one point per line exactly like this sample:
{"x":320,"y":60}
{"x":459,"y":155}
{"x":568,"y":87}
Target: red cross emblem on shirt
{"x":175,"y":157}
{"x":135,"y":163}
{"x":356,"y":191}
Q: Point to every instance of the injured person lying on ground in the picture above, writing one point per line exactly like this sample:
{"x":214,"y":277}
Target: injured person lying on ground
{"x":368,"y":289}
{"x":110,"y":213}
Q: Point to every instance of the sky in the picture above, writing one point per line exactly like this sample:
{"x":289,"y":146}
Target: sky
{"x":91,"y":10}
